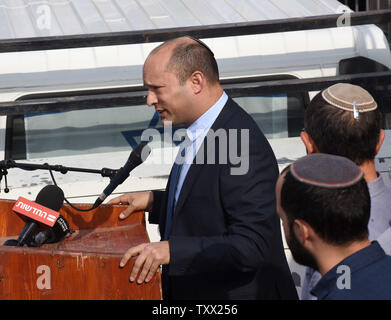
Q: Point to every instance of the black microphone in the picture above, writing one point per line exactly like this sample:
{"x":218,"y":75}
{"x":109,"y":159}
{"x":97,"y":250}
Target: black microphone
{"x":138,"y":156}
{"x":54,"y":234}
{"x":51,"y":197}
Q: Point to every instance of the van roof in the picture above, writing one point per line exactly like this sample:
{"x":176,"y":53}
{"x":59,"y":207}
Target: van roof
{"x":68,"y":17}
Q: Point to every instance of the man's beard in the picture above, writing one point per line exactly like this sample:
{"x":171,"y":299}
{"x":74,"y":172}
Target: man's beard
{"x":299,"y":252}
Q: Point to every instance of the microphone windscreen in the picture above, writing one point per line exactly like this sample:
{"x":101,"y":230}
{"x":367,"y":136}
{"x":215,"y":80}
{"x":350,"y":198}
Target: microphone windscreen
{"x":139,"y":154}
{"x":51,"y":197}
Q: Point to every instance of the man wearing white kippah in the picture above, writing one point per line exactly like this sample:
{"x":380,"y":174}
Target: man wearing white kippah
{"x":344,"y":120}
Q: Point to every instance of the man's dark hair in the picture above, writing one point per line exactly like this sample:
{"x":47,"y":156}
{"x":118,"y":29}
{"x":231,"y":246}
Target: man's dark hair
{"x":187,"y":58}
{"x":338,"y":216}
{"x":335,"y":131}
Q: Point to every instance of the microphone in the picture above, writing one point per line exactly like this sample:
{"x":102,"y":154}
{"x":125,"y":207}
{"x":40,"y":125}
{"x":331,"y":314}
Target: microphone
{"x":45,"y":210}
{"x":52,"y":235}
{"x":138,"y":156}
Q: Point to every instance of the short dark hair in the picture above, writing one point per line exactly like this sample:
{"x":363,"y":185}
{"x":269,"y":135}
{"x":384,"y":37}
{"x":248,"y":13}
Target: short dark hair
{"x":338,"y":216}
{"x":187,"y":58}
{"x":335,"y":131}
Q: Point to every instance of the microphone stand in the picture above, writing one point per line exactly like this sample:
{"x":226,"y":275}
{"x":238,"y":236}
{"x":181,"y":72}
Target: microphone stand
{"x":8,"y":164}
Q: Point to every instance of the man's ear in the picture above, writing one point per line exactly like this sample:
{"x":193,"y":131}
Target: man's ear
{"x":382,"y":136}
{"x":197,"y":81}
{"x":302,"y":231}
{"x":309,"y":143}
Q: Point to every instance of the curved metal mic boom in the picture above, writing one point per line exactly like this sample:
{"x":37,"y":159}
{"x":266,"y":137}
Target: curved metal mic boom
{"x":137,"y":156}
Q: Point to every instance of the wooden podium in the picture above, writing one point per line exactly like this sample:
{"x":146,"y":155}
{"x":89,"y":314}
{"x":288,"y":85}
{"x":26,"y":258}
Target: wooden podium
{"x":84,"y":266}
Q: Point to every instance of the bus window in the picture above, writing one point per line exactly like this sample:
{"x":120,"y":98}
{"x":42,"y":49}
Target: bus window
{"x":107,"y":130}
{"x":278,"y":116}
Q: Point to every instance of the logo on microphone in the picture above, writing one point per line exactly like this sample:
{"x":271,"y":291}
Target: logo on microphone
{"x":35,"y":211}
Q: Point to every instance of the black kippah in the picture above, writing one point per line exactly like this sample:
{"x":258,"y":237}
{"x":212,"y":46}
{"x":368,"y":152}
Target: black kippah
{"x":325,"y":170}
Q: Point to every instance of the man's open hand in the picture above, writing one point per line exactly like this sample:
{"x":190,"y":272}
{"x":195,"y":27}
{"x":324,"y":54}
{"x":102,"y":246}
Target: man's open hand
{"x":149,"y":258}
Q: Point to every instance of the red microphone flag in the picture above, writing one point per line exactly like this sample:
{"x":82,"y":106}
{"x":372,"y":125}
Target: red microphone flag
{"x":36,"y":211}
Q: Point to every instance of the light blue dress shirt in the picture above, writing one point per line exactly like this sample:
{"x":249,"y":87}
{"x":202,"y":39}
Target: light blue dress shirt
{"x":195,"y":136}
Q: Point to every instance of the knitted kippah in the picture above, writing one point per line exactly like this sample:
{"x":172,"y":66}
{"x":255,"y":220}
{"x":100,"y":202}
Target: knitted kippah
{"x":349,"y":97}
{"x":325,"y":170}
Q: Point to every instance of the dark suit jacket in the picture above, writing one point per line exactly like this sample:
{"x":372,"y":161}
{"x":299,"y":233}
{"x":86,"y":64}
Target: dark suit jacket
{"x":225,"y":240}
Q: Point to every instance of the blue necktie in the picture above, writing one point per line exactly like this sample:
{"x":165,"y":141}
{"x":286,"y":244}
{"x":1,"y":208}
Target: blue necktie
{"x":175,"y":173}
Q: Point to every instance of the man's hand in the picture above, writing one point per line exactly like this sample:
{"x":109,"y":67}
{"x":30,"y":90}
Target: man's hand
{"x":137,"y":201}
{"x":150,"y":257}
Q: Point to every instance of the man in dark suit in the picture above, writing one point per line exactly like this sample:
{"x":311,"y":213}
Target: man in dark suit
{"x":221,"y":236}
